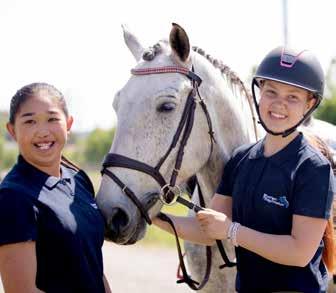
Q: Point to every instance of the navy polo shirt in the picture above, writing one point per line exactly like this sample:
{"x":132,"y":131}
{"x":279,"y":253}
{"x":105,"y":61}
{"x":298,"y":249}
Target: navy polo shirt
{"x":61,"y":216}
{"x":266,"y":193}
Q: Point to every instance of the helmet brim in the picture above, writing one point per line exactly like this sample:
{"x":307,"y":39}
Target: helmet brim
{"x":258,"y":77}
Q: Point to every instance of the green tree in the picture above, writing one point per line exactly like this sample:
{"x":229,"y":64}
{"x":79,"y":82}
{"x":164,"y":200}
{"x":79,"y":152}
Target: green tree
{"x":1,"y":149}
{"x":327,"y":110}
{"x":8,"y":154}
{"x":97,"y":145}
{"x":3,"y":121}
{"x":9,"y":158}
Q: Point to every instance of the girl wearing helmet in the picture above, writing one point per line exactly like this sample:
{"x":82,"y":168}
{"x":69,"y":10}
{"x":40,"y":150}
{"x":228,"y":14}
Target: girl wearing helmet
{"x":275,"y":196}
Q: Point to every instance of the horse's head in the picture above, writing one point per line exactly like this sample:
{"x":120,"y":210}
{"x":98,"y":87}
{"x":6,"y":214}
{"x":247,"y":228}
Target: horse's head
{"x":156,"y":111}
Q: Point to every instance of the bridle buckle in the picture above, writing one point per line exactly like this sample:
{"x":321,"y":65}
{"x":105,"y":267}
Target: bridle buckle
{"x":168,"y":189}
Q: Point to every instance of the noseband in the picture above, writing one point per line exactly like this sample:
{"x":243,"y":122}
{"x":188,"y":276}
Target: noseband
{"x":184,"y":129}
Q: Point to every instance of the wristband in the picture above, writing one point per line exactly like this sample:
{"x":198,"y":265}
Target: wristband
{"x":232,"y":233}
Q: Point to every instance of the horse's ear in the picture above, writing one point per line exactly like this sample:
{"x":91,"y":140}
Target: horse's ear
{"x":133,"y":43}
{"x":179,"y":42}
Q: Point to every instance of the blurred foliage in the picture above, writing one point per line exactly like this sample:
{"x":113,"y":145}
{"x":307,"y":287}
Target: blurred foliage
{"x":97,"y":145}
{"x":3,"y":121}
{"x":8,"y":159}
{"x":2,"y":148}
{"x":8,"y":149}
{"x":327,"y":110}
{"x":88,"y":149}
{"x":74,"y":150}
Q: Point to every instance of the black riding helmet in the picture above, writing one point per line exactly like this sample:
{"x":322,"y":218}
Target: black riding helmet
{"x":300,"y":69}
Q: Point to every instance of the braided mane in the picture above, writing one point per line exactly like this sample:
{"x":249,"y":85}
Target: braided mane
{"x":232,"y":78}
{"x":228,"y":73}
{"x":150,"y":53}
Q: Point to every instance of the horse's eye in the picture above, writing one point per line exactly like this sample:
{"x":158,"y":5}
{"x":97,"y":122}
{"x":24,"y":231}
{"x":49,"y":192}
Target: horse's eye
{"x":166,"y":107}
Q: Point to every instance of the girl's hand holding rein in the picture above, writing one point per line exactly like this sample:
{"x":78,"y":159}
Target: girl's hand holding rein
{"x":213,"y":224}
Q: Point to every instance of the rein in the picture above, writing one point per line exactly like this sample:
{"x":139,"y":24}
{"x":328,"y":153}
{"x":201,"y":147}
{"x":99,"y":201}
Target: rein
{"x":170,"y":192}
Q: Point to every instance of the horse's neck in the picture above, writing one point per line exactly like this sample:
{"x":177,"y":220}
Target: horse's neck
{"x":233,"y":127}
{"x":210,"y":175}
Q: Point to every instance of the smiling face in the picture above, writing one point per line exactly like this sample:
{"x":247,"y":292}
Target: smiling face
{"x":282,"y":106}
{"x":40,"y":129}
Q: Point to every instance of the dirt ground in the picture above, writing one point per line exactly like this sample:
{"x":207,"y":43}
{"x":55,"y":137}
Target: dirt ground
{"x":140,"y":269}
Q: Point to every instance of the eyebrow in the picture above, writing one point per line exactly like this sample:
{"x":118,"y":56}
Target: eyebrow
{"x":270,"y":85}
{"x":28,"y":114}
{"x":295,"y":91}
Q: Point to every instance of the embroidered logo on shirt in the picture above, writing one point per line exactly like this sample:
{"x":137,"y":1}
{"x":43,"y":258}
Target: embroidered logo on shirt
{"x":280,"y":201}
{"x":94,"y":205}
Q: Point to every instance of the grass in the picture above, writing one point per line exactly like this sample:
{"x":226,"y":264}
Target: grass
{"x":154,"y":235}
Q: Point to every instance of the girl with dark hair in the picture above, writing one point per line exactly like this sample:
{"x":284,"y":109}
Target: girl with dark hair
{"x":51,"y":231}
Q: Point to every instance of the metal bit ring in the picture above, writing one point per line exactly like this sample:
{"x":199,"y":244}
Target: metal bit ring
{"x":176,"y":190}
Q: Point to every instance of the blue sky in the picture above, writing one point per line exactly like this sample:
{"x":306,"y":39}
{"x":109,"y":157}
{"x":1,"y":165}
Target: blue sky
{"x":77,"y":45}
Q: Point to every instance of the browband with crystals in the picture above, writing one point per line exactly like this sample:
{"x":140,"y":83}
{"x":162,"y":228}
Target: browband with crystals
{"x":168,"y":69}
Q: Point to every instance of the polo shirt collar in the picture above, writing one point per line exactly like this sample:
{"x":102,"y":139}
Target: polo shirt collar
{"x":49,"y":181}
{"x":66,"y":178}
{"x":291,"y":149}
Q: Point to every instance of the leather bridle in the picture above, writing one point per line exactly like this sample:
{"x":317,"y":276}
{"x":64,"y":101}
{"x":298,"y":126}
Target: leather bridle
{"x":182,"y":134}
{"x":170,"y":191}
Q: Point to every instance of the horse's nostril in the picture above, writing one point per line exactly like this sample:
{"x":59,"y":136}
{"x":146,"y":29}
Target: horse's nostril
{"x":118,"y":222}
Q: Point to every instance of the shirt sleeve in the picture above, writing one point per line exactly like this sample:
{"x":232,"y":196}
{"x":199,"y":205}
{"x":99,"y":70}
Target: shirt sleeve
{"x":314,"y":190}
{"x":17,"y":218}
{"x":226,"y":184}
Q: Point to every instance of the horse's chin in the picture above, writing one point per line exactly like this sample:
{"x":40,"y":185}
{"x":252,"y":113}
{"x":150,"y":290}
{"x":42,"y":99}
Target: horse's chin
{"x":134,"y":236}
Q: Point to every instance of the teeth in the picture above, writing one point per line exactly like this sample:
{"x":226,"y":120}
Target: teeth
{"x":44,"y":146}
{"x":279,"y":116}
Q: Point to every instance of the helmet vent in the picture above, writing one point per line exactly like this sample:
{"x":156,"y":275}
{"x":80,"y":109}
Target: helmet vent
{"x":288,"y":60}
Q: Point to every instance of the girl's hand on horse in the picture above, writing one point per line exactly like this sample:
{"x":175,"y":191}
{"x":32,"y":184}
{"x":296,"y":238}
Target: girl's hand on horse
{"x":213,"y":224}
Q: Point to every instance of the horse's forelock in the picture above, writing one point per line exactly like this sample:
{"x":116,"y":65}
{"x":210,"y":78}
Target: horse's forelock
{"x":151,"y":52}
